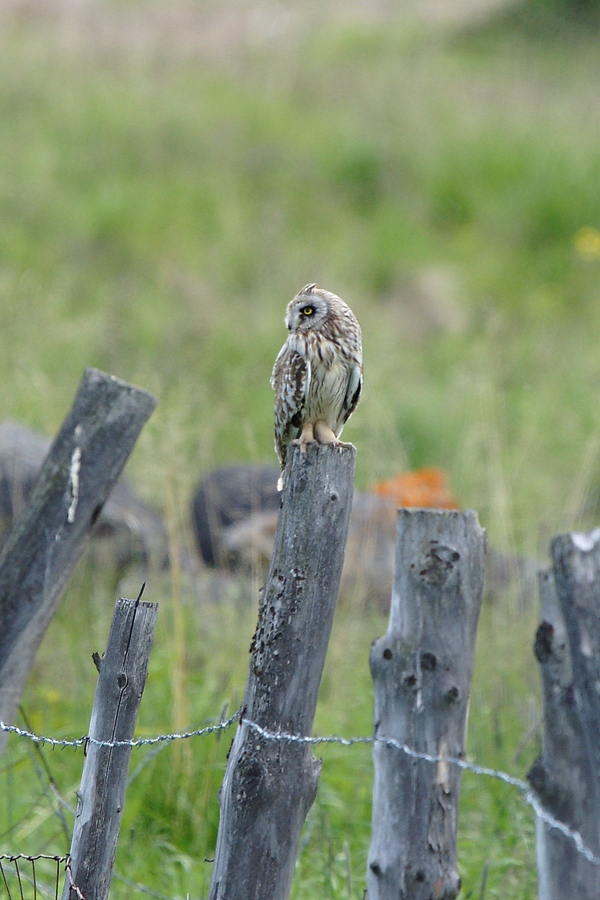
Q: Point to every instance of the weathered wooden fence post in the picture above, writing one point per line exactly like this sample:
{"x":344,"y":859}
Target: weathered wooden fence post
{"x":422,"y":671}
{"x":270,"y":785}
{"x":123,"y":670}
{"x":81,"y":468}
{"x":566,"y":776}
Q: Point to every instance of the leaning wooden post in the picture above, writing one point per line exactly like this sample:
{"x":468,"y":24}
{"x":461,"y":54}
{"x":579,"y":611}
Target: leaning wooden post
{"x":422,"y":672}
{"x":123,"y":670}
{"x":565,"y":776}
{"x":270,"y":784}
{"x":82,"y":466}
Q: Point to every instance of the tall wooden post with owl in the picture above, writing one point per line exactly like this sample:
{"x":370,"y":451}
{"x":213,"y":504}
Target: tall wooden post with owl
{"x":271,"y":777}
{"x":270,"y":782}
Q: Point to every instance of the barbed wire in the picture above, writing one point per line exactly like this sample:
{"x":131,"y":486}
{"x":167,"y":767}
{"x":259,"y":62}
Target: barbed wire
{"x":524,"y":789}
{"x":528,"y":795}
{"x":86,"y":740}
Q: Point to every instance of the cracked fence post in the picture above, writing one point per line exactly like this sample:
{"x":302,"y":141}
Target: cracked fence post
{"x":123,"y":669}
{"x":82,"y":466}
{"x":270,"y":785}
{"x":565,"y":776}
{"x":576,"y":565}
{"x":422,"y":671}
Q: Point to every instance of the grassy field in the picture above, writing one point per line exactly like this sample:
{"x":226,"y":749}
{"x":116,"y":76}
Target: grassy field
{"x":167,"y":183}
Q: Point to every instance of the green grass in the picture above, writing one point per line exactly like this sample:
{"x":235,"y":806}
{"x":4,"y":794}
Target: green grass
{"x":171,"y":815}
{"x":158,"y":208}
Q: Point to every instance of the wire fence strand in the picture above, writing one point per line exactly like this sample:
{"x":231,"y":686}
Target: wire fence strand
{"x":86,"y":740}
{"x":20,"y":875}
{"x":524,"y":789}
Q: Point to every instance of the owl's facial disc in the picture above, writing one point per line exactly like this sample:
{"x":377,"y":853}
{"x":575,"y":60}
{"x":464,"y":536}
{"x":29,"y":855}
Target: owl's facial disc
{"x":305,"y":313}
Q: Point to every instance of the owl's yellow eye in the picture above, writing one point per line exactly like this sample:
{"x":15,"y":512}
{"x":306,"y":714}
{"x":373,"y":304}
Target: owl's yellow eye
{"x":308,"y":310}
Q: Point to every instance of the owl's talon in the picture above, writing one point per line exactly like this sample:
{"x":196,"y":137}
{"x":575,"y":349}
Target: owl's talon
{"x":306,"y":437}
{"x":324,"y":434}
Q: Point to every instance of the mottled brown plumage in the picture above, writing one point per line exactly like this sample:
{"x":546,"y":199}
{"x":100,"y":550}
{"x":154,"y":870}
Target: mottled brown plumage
{"x":317,"y":376}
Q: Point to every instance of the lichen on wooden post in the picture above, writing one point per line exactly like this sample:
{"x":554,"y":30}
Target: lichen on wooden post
{"x":270,"y":785}
{"x":422,"y":671}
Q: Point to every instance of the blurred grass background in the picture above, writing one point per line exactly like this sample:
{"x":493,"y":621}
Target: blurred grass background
{"x":170,"y":175}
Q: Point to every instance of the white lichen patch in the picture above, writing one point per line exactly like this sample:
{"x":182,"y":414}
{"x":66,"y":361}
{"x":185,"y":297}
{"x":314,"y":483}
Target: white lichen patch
{"x":586,"y":540}
{"x":74,"y":483}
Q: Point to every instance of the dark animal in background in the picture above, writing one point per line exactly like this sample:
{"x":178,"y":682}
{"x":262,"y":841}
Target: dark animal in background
{"x":234,"y":518}
{"x":22,"y":452}
{"x":228,"y":498}
{"x":235,"y":511}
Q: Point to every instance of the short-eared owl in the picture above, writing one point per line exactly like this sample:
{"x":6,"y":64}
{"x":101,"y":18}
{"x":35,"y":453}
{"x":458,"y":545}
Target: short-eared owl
{"x":317,"y":376}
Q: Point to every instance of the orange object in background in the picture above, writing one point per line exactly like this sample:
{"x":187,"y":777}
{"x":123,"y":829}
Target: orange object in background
{"x":421,"y":488}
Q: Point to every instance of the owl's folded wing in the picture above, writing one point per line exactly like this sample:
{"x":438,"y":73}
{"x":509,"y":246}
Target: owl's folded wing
{"x":290,"y":381}
{"x":353,"y":391}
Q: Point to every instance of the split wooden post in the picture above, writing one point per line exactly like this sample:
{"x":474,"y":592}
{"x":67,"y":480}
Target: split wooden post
{"x":270,"y":785}
{"x":564,"y":777}
{"x":123,"y":670}
{"x":422,"y":671}
{"x":82,"y":466}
